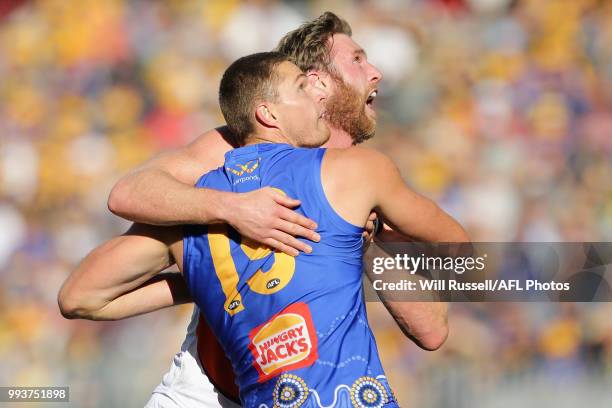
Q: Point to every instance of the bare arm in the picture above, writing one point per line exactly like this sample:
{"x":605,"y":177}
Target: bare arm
{"x":165,"y":290}
{"x":425,"y":323}
{"x":162,"y":192}
{"x":117,"y":279}
{"x":411,"y":213}
{"x":420,"y":218}
{"x":376,"y":180}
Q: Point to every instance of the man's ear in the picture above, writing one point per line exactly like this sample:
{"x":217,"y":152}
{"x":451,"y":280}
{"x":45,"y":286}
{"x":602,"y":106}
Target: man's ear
{"x":264,"y":113}
{"x":319,"y":79}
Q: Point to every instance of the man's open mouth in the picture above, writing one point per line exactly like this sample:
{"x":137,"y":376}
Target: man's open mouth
{"x":371,"y":97}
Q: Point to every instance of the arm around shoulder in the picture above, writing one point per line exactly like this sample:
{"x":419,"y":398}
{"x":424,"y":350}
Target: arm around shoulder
{"x":161,"y":191}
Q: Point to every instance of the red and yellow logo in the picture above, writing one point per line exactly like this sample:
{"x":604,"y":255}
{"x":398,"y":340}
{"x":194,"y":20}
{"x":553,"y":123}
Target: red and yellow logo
{"x":287,"y":341}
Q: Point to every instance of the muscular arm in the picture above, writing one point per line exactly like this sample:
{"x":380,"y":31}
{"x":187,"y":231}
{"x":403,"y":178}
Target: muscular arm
{"x":376,"y":180}
{"x":119,"y":278}
{"x":162,"y":192}
{"x":409,"y":212}
{"x":358,"y":180}
{"x":425,"y":323}
{"x":110,"y":285}
{"x":420,"y":218}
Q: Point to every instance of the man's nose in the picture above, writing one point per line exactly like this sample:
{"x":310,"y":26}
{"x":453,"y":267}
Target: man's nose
{"x":374,"y":75}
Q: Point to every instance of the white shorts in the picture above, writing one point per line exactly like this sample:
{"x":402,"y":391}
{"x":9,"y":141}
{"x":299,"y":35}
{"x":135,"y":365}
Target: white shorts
{"x":158,"y":400}
{"x":186,"y":386}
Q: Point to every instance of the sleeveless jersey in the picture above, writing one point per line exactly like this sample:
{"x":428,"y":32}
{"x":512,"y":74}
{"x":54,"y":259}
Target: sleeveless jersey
{"x":294,"y":329}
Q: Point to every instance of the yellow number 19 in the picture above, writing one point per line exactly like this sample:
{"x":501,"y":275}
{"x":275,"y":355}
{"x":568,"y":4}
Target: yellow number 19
{"x":265,"y":283}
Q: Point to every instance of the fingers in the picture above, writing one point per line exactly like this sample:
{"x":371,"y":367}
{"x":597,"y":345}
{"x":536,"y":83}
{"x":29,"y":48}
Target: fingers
{"x":286,"y":200}
{"x":291,"y":242}
{"x":292,"y":216}
{"x":369,"y":227}
{"x":289,"y":226}
{"x":296,"y":230}
{"x":304,"y":227}
{"x":287,"y":243}
{"x":279,"y":246}
{"x":272,"y":221}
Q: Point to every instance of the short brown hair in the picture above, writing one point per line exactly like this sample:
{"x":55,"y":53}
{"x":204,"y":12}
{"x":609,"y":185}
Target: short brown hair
{"x":247,"y":81}
{"x":308,"y":46}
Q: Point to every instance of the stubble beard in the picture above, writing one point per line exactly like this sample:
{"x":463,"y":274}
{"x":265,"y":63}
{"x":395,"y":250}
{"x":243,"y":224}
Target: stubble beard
{"x":346,"y":110}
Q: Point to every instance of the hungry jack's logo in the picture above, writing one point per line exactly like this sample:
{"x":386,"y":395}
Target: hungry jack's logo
{"x":240,"y":169}
{"x":287,"y":341}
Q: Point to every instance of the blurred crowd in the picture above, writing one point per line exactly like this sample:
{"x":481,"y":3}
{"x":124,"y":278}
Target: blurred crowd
{"x":500,"y":110}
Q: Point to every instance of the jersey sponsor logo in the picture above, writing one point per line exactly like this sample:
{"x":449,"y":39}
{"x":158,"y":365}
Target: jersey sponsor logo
{"x":287,"y":341}
{"x":246,"y":178}
{"x":240,"y":169}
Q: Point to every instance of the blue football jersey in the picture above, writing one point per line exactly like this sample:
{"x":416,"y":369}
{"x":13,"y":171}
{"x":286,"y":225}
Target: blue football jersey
{"x":294,"y":328}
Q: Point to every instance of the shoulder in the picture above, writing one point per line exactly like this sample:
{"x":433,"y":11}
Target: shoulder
{"x":357,"y":153}
{"x":211,"y":144}
{"x":357,"y":160}
{"x":188,"y":163}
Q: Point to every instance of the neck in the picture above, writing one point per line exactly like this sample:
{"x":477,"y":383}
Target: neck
{"x":271,"y":136}
{"x":338,"y":138}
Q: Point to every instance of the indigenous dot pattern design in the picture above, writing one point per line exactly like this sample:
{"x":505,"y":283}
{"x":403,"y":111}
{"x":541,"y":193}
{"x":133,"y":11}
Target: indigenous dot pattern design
{"x":368,"y":392}
{"x":290,"y":391}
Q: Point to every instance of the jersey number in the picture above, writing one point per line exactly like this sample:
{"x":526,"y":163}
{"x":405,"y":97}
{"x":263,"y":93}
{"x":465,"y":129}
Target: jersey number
{"x":265,"y":283}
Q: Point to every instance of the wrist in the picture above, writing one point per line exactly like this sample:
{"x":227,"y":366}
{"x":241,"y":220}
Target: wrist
{"x":224,"y":207}
{"x":208,"y":207}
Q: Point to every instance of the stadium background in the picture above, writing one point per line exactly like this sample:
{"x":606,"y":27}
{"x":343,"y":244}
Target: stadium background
{"x":499,"y":110}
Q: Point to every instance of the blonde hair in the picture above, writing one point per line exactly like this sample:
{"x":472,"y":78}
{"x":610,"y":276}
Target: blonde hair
{"x":308,"y":46}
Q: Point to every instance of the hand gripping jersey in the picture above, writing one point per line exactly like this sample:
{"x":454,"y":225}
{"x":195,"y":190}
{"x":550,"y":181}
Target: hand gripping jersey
{"x":295,"y":329}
